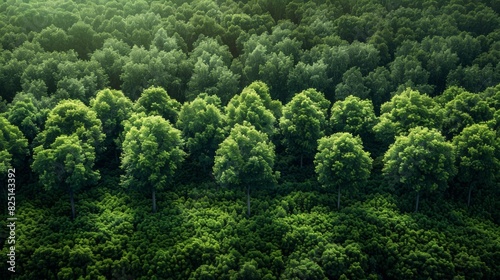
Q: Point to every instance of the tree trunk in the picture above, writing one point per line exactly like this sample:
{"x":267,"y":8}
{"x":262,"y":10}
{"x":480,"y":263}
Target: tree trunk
{"x":248,"y":201}
{"x":72,"y":199}
{"x":418,"y":199}
{"x":470,"y":192}
{"x":338,"y":199}
{"x":301,"y":159}
{"x":154,"y":200}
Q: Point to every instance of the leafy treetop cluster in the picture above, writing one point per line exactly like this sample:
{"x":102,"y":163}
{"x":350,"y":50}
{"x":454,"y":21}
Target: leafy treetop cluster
{"x":386,"y":106}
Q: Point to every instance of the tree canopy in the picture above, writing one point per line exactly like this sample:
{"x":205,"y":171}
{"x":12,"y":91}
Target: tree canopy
{"x":478,"y":157}
{"x":421,"y":161}
{"x":245,"y":159}
{"x":110,"y":107}
{"x":341,"y":162}
{"x":151,"y":154}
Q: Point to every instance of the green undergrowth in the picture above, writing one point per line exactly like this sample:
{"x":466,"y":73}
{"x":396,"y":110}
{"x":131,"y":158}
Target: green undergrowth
{"x":201,"y":232}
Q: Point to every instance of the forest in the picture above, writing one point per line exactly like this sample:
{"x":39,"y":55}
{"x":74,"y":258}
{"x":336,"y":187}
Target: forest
{"x":254,"y":139}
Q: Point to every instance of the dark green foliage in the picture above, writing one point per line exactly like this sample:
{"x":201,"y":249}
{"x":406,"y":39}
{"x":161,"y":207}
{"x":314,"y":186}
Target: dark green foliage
{"x":151,"y":154}
{"x":303,"y":122}
{"x":353,"y":115}
{"x":352,"y":84}
{"x":112,"y":108}
{"x":404,"y":111}
{"x":421,"y":161}
{"x":463,"y":110}
{"x":155,"y":101}
{"x":268,"y":71}
{"x":478,"y":157}
{"x":341,"y":162}
{"x":72,"y":117}
{"x":13,"y":146}
{"x":26,"y":116}
{"x":245,"y":159}
{"x":250,"y":107}
{"x":203,"y":127}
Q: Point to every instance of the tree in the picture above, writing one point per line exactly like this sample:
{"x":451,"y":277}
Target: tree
{"x":341,"y":162}
{"x":464,"y":110}
{"x":353,"y":115}
{"x":156,"y":101}
{"x":380,"y":83}
{"x":78,"y":80}
{"x":203,"y":127}
{"x":275,"y":73}
{"x":319,"y":99}
{"x":245,"y":159}
{"x":262,"y":90}
{"x":212,"y":76}
{"x":72,"y":117}
{"x":65,"y":151}
{"x":151,"y":154}
{"x":52,"y":39}
{"x":112,"y":57}
{"x":147,"y":68}
{"x":421,"y":161}
{"x":303,"y":123}
{"x":112,"y":108}
{"x":303,"y":269}
{"x":67,"y":164}
{"x":407,"y":72}
{"x":25,"y":115}
{"x":83,"y":39}
{"x":249,"y":107}
{"x":305,"y":76}
{"x":352,"y":84}
{"x":404,"y":111}
{"x":13,"y":146}
{"x":478,"y":157}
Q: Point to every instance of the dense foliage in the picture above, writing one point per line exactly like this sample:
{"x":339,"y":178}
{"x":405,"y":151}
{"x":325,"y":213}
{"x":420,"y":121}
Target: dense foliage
{"x":109,"y":107}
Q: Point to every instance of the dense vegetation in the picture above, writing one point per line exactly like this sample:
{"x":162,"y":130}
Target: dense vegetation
{"x":257,"y":139}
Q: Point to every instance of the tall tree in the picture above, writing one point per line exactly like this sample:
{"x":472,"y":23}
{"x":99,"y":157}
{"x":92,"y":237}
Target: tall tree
{"x":464,"y":110}
{"x":65,"y":152}
{"x":421,"y":161}
{"x":212,"y":76}
{"x":112,"y":108}
{"x":67,"y":164}
{"x":72,"y":117}
{"x":478,"y":157}
{"x":203,"y":127}
{"x":25,"y":115}
{"x":152,"y":151}
{"x":303,"y":123}
{"x":352,"y":84}
{"x":262,"y":90}
{"x":404,"y":111}
{"x":245,"y":159}
{"x":156,"y":101}
{"x":248,"y":106}
{"x":342,"y":162}
{"x":355,"y":116}
{"x":13,"y":146}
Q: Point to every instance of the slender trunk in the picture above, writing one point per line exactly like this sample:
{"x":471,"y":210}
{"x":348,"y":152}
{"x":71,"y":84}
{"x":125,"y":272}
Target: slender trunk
{"x":72,"y":199}
{"x":418,"y":199}
{"x":154,"y":200}
{"x":301,"y":159}
{"x":338,"y":199}
{"x":468,"y":199}
{"x":248,"y":201}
